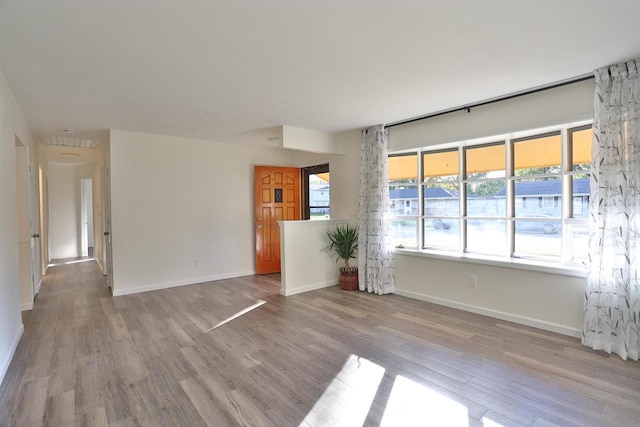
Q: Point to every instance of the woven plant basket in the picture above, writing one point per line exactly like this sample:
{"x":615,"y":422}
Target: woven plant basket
{"x":349,"y":278}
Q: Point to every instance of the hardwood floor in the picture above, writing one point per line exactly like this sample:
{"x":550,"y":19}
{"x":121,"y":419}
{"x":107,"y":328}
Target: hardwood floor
{"x":326,"y":357}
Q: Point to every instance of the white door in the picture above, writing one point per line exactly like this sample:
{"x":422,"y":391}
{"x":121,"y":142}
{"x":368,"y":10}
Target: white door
{"x":44,"y":221}
{"x":25,"y":234}
{"x":106,"y":223}
{"x":34,"y":228}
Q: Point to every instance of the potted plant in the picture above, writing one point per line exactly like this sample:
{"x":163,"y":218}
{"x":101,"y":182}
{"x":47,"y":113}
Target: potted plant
{"x":344,"y":245}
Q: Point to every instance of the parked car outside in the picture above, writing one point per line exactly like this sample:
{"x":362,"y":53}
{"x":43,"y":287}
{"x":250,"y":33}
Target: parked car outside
{"x":439,"y":224}
{"x":538,"y":225}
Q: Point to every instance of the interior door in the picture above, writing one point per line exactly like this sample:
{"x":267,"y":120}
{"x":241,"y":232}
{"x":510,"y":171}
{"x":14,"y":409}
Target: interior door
{"x":277,"y":198}
{"x":24,"y":226}
{"x":44,"y":221}
{"x":34,"y":228}
{"x":106,"y":224}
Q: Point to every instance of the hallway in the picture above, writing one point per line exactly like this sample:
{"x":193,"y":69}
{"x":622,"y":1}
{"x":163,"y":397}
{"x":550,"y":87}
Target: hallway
{"x":91,"y":359}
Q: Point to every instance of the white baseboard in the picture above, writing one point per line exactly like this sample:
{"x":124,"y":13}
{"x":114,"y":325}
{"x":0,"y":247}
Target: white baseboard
{"x":522,"y":320}
{"x":156,"y":286}
{"x":26,"y":307}
{"x":4,"y":366}
{"x":312,"y":287}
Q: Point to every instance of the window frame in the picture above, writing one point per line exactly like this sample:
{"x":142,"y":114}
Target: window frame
{"x":562,"y":202}
{"x":306,"y":172}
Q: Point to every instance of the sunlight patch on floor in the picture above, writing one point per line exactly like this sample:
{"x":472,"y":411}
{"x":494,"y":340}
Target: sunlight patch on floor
{"x":486,"y":422}
{"x":238,"y":314}
{"x":347,"y":399}
{"x":412,"y":404}
{"x":75,"y":261}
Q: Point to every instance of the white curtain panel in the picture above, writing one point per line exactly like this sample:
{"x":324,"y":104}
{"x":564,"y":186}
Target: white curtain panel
{"x":375,"y":244}
{"x":612,"y":306}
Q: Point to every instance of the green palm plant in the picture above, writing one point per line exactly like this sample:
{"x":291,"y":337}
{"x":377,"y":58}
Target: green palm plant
{"x":343,"y":243}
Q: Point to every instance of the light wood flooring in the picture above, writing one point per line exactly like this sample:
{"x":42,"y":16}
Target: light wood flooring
{"x":323,"y":358}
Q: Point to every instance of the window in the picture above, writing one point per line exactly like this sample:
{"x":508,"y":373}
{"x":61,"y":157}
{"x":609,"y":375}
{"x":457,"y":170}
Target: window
{"x":485,"y":207}
{"x":524,"y":196}
{"x":441,"y":198}
{"x":579,"y":174}
{"x":403,"y":187}
{"x":317,"y":192}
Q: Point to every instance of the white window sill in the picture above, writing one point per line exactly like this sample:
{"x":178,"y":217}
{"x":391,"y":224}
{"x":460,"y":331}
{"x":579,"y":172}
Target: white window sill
{"x":522,"y":264}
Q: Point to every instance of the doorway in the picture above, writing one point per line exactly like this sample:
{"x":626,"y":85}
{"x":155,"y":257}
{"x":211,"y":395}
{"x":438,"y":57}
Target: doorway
{"x":44,"y":220}
{"x":86,"y":217}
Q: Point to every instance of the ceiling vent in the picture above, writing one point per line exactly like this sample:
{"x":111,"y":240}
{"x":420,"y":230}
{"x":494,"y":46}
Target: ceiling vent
{"x":69,"y":142}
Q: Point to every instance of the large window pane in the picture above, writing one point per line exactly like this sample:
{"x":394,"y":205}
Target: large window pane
{"x":581,"y":192}
{"x":404,"y":233}
{"x":579,"y":243}
{"x":319,"y":196}
{"x":486,"y":236}
{"x":320,"y":213}
{"x":540,"y":155}
{"x":403,"y":169}
{"x":580,"y":140}
{"x":487,"y":161}
{"x":538,"y":197}
{"x":486,"y":198}
{"x":538,"y":237}
{"x":404,"y":199}
{"x":442,"y":199}
{"x":440,"y":166}
{"x":316,"y":192}
{"x":403,"y":193}
{"x":442,"y":233}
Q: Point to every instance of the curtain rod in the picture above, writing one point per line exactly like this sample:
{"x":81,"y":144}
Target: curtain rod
{"x":468,"y":107}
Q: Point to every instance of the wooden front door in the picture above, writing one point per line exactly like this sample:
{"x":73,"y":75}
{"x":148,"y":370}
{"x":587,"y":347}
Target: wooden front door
{"x":277,"y":198}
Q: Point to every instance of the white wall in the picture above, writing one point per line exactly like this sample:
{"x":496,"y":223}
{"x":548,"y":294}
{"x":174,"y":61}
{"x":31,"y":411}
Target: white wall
{"x":12,"y":123}
{"x":305,"y":267}
{"x":176,"y":199}
{"x":64,"y":211}
{"x":544,"y":300}
{"x":344,"y":172}
{"x":547,"y":301}
{"x":309,"y":140}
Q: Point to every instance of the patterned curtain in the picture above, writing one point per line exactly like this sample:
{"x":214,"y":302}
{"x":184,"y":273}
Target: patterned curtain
{"x":612,"y":306}
{"x":375,"y":254}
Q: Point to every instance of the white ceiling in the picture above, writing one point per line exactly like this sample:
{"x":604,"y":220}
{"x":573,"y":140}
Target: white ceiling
{"x":215,"y":70}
